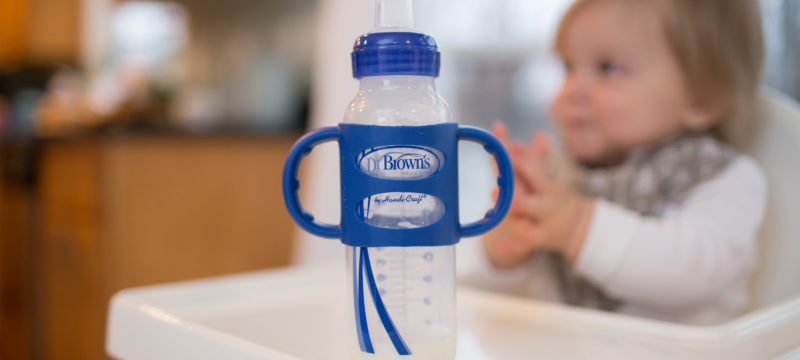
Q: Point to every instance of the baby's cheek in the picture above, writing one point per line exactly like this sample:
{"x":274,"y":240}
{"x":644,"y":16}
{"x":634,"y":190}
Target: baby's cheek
{"x":641,"y":118}
{"x":624,"y":132}
{"x":639,"y":131}
{"x":614,"y":114}
{"x":627,"y":125}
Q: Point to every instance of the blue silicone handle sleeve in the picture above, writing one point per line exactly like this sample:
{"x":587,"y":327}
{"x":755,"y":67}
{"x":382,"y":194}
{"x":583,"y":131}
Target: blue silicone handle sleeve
{"x":291,"y":184}
{"x":505,"y":180}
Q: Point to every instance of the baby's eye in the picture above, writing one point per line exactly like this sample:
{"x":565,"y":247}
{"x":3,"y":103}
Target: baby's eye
{"x":609,"y":68}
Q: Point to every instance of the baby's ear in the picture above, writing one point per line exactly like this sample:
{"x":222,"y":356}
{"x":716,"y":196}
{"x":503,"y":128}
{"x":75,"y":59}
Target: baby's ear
{"x":701,"y":117}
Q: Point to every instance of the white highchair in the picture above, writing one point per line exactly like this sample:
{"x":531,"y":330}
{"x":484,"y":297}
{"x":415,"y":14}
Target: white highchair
{"x":777,"y":150}
{"x":290,"y":314}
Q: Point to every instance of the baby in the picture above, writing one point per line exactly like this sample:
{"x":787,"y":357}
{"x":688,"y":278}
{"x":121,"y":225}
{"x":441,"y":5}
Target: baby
{"x":661,"y":219}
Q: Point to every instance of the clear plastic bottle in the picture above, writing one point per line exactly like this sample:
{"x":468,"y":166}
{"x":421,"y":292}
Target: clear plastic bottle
{"x":399,"y":168}
{"x":417,"y":284}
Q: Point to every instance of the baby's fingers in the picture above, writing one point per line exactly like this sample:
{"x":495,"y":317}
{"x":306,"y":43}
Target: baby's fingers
{"x":533,"y":170}
{"x":527,"y":205}
{"x":531,"y":173}
{"x":527,"y":231}
{"x":540,"y":144}
{"x":500,"y":131}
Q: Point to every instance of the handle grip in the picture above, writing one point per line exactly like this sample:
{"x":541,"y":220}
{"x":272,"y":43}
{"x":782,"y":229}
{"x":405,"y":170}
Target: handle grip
{"x":291,"y":184}
{"x":505,"y":180}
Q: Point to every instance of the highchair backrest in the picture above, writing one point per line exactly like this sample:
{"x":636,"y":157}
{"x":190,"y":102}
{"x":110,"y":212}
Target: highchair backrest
{"x":777,"y":149}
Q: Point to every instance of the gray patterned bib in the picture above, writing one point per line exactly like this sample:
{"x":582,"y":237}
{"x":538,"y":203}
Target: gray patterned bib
{"x":648,"y":182}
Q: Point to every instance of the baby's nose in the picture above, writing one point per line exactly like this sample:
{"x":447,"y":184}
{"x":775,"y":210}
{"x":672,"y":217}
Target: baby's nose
{"x":574,"y":89}
{"x":572,"y":98}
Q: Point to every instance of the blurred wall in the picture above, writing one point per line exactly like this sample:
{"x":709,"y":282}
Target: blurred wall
{"x":339,"y":22}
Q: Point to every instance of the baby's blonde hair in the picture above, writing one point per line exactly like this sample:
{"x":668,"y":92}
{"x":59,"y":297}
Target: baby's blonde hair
{"x":718,"y":46}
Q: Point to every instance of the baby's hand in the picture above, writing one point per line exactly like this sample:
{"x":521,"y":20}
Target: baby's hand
{"x":515,"y":151}
{"x":559,"y":216}
{"x":513,"y":241}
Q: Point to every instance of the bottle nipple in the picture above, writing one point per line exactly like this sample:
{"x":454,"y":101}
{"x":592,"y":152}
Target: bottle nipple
{"x":394,"y":15}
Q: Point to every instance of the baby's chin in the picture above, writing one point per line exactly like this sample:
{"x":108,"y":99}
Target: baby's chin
{"x":594,"y":156}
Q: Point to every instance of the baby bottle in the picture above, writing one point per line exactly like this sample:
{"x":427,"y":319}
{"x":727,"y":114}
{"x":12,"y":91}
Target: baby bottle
{"x":399,"y":185}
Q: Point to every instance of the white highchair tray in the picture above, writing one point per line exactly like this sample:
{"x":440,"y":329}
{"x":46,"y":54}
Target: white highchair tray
{"x":301,"y":314}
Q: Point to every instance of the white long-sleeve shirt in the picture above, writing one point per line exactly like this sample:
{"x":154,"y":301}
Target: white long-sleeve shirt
{"x":691,"y":265}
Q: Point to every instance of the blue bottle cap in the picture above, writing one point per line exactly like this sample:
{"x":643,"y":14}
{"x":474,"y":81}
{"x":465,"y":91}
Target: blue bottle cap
{"x":395,"y":53}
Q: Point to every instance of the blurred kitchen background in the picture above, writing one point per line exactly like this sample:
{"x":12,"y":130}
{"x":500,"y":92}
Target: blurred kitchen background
{"x":142,"y":142}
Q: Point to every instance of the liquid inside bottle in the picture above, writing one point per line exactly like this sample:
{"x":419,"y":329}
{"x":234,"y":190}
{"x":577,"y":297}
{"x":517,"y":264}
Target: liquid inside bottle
{"x":416,"y":284}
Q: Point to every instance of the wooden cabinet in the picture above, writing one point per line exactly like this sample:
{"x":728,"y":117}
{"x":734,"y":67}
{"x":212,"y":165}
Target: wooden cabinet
{"x":114,"y":213}
{"x":40,"y":32}
{"x":16,"y":249}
